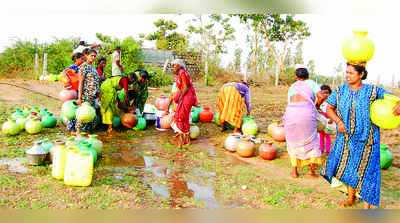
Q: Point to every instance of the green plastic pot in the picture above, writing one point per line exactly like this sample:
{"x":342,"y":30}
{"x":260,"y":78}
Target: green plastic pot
{"x":195,"y":114}
{"x":386,"y":157}
{"x":18,"y":114}
{"x":49,"y":120}
{"x":10,"y":128}
{"x":68,"y":109}
{"x":85,"y":146}
{"x":141,"y":123}
{"x":116,"y":122}
{"x":33,"y":126}
{"x":96,"y":143}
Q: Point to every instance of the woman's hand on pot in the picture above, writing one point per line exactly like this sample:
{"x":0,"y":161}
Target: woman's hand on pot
{"x":341,"y":127}
{"x":79,"y":101}
{"x":396,"y":110}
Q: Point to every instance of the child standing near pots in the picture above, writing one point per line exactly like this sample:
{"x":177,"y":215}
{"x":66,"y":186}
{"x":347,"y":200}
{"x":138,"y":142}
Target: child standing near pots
{"x":325,"y":138}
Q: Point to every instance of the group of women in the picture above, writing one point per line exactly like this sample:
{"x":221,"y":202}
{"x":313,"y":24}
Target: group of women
{"x":100,"y":92}
{"x":354,"y":159}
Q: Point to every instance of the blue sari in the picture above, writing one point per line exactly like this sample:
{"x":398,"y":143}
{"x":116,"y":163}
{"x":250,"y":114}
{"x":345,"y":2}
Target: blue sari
{"x":355,"y":157}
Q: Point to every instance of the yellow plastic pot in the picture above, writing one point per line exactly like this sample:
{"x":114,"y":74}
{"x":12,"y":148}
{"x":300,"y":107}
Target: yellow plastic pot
{"x":381,"y":112}
{"x":358,"y":47}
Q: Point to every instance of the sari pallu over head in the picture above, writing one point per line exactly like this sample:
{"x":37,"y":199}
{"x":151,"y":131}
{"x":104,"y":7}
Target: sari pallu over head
{"x":300,"y":121}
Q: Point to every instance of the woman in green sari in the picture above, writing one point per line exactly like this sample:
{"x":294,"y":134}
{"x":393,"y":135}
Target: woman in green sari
{"x":140,"y":85}
{"x":109,"y":103}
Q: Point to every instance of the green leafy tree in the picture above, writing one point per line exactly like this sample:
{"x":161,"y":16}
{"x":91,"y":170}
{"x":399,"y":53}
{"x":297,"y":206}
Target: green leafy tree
{"x":280,"y":29}
{"x":214,"y":30}
{"x":166,"y":36}
{"x":19,"y":58}
{"x":298,"y":58}
{"x":254,"y":23}
{"x":238,"y":59}
{"x":339,"y":72}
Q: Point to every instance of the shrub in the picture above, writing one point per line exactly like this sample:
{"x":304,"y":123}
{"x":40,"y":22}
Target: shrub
{"x":159,"y":79}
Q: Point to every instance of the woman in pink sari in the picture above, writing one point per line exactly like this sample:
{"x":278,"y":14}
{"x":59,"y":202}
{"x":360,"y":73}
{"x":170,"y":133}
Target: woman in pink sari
{"x":300,"y":122}
{"x":185,"y":98}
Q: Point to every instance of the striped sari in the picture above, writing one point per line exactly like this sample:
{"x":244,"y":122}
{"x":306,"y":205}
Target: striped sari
{"x":230,"y":106}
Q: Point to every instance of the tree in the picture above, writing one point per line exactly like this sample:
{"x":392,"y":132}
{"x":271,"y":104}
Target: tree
{"x":311,"y":70}
{"x":166,"y":37}
{"x":298,"y":58}
{"x":215,"y":31}
{"x":253,"y":22}
{"x":339,"y":71}
{"x":276,"y":28}
{"x":237,"y":61}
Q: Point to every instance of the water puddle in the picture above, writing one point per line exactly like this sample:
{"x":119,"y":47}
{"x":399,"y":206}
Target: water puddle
{"x":15,"y":165}
{"x":177,"y":183}
{"x":177,"y":188}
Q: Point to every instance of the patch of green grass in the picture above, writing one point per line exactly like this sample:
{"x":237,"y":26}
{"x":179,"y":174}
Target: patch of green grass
{"x":170,"y":147}
{"x":391,"y":193}
{"x":303,"y":190}
{"x":23,"y":204}
{"x":276,"y":198}
{"x":39,"y":205}
{"x":41,"y":170}
{"x":9,"y":181}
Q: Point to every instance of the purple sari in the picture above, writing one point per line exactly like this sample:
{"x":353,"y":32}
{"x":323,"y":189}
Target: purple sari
{"x":300,"y":121}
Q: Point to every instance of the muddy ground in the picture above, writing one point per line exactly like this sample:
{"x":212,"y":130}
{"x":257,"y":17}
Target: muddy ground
{"x":144,"y":169}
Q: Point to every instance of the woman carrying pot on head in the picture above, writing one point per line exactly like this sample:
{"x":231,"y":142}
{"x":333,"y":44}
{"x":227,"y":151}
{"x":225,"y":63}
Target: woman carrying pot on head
{"x":89,"y":89}
{"x":355,"y":157}
{"x":185,"y":99}
{"x":109,"y":103}
{"x":300,"y":123}
{"x":230,"y":104}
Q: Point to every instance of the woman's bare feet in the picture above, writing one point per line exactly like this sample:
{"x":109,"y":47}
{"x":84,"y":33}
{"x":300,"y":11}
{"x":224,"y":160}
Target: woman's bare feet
{"x":186,"y":140}
{"x":350,"y":197}
{"x":223,"y":126}
{"x":295,"y":174}
{"x":236,"y":130}
{"x":180,"y":141}
{"x":312,"y":173}
{"x":110,"y":132}
{"x":366,"y":205}
{"x":347,"y":203}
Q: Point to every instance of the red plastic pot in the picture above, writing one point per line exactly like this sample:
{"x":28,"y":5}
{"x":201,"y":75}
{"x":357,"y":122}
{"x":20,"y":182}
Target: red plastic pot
{"x":206,"y":115}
